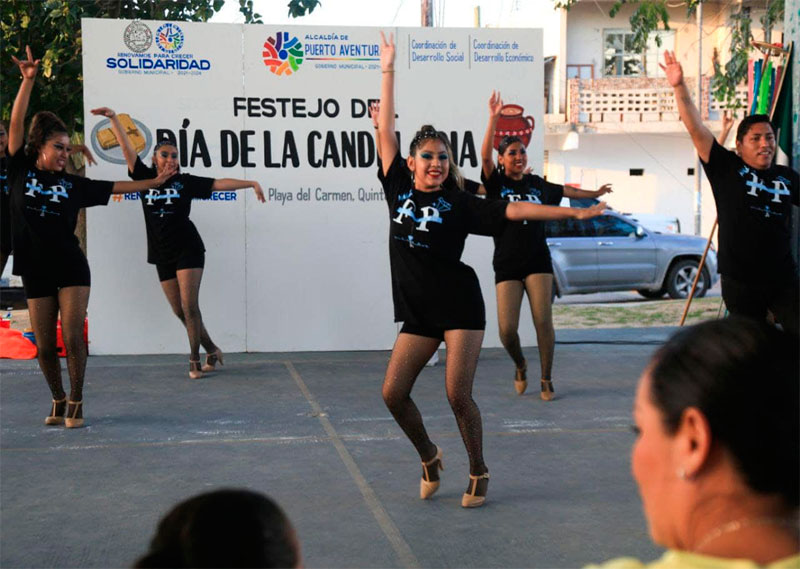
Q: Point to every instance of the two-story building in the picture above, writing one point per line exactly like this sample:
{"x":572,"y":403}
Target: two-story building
{"x":610,"y":114}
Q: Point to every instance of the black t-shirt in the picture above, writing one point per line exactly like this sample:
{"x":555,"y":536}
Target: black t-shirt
{"x":427,"y":231}
{"x":754,"y":208}
{"x":44,"y":213}
{"x":524,"y":241}
{"x":170,"y":232}
{"x":5,"y":216}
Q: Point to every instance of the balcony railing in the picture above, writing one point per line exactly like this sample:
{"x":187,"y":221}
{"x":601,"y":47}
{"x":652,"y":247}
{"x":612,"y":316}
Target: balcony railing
{"x":635,"y":99}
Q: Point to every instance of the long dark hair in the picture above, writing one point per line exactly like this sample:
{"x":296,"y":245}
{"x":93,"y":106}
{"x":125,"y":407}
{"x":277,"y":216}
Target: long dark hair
{"x":743,"y":376}
{"x":427,"y":132}
{"x":44,"y":126}
{"x":224,"y":528}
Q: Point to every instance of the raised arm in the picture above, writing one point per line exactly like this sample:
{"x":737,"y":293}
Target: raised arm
{"x":387,"y":143}
{"x":727,"y":125}
{"x":570,"y":192}
{"x":702,"y":138}
{"x":127,"y":146}
{"x":229,"y":184}
{"x":374,"y":113}
{"x":16,"y":126}
{"x":487,"y":148}
{"x":527,"y":211}
{"x":130,"y":186}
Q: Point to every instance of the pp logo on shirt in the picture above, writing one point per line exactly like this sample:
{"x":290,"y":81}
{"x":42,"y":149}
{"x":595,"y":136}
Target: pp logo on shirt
{"x":168,"y":195}
{"x":779,"y":185}
{"x":428,"y":214}
{"x":60,"y":191}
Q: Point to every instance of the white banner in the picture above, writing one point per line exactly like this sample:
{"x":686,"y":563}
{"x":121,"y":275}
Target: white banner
{"x":287,"y":106}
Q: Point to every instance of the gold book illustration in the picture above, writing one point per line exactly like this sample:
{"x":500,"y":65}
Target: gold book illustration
{"x":107,"y":139}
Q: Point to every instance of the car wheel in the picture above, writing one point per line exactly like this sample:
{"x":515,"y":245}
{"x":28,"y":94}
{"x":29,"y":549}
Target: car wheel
{"x":651,"y":293}
{"x":681,"y":276}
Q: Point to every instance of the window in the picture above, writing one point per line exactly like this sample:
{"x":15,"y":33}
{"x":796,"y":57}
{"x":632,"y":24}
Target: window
{"x":620,"y":59}
{"x":569,"y":228}
{"x":610,"y":226}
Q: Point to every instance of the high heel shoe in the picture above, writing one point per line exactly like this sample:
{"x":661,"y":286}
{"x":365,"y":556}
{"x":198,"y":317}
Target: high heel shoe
{"x":547,"y":392}
{"x":74,"y":418}
{"x":475,"y":496}
{"x":428,"y":487}
{"x":521,"y":380}
{"x":212,"y":359}
{"x":195,"y":371}
{"x":56,"y":416}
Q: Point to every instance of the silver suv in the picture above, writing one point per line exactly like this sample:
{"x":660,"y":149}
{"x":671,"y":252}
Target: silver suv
{"x":612,"y":252}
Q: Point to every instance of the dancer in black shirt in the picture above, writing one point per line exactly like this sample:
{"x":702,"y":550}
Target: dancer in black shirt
{"x":173,"y":244}
{"x":522,"y":262}
{"x":436,"y":296}
{"x":754,"y":199}
{"x":44,"y":204}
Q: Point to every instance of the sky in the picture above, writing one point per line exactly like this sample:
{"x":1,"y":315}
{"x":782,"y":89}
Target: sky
{"x":450,"y":13}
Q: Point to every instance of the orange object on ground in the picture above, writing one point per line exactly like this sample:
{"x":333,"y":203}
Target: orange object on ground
{"x":62,"y":350}
{"x":14,"y":346}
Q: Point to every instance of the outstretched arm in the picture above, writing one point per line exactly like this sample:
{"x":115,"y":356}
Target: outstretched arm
{"x":127,"y":147}
{"x":701,"y":137}
{"x":229,"y":184}
{"x":387,"y":145}
{"x":487,"y":148}
{"x":527,"y":211}
{"x":130,"y":186}
{"x":83,"y":149}
{"x":16,"y":127}
{"x":571,"y":192}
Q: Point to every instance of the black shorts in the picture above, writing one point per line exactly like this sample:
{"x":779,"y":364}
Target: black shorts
{"x":753,"y":300}
{"x":5,"y":229}
{"x":431,"y":331}
{"x":538,"y":265}
{"x":41,"y":286}
{"x":187,"y":260}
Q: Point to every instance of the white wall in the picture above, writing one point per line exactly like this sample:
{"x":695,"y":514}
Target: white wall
{"x":286,"y":275}
{"x":587,"y":20}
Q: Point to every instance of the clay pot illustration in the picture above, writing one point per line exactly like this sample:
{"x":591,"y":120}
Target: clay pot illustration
{"x":513,"y":123}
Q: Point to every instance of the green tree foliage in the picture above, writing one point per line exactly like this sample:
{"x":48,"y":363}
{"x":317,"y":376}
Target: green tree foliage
{"x":53,"y":30}
{"x":649,"y":15}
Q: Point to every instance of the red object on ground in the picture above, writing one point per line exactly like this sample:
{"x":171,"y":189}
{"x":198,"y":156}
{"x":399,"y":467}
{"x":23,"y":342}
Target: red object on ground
{"x":14,"y":346}
{"x":5,"y":323}
{"x":62,"y":350}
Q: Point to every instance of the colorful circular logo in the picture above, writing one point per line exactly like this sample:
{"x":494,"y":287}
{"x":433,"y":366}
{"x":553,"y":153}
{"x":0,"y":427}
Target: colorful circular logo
{"x":169,"y":38}
{"x":137,"y":37}
{"x":282,"y":54}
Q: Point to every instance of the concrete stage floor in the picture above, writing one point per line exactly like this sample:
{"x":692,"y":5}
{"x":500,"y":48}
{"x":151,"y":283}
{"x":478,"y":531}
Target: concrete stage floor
{"x":311,"y":431}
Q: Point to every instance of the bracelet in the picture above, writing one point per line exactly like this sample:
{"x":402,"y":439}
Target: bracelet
{"x":387,"y":70}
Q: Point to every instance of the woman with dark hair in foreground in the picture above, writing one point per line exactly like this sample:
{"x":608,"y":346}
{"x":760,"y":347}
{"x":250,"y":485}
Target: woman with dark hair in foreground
{"x":717,"y":452}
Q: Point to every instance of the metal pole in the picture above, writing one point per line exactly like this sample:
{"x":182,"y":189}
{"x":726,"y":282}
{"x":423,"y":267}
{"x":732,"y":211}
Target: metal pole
{"x":477,"y":16}
{"x":698,"y":168}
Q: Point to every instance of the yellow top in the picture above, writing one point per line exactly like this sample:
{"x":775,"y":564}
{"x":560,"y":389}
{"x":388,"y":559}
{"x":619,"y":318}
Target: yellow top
{"x":685,"y":560}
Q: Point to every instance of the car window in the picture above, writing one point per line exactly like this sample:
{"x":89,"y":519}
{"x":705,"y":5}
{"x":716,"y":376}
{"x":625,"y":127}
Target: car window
{"x":569,"y":228}
{"x":610,"y":226}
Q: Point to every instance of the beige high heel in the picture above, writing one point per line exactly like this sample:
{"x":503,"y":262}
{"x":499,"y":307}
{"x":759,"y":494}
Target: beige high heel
{"x":471,"y":499}
{"x":521,"y":380}
{"x":547,"y":392}
{"x":56,"y":416}
{"x":428,"y":487}
{"x":195,"y":371}
{"x":212,"y":359}
{"x":74,"y":418}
